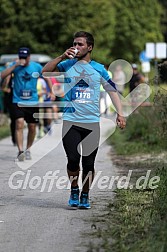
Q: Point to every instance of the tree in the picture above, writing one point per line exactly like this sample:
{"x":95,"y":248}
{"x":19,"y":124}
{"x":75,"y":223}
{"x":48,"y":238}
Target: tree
{"x":49,"y":28}
{"x":137,"y":22}
{"x":164,"y":18}
{"x":120,"y":28}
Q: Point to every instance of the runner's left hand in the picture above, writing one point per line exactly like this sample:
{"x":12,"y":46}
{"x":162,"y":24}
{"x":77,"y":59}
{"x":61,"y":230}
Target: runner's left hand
{"x":121,"y":122}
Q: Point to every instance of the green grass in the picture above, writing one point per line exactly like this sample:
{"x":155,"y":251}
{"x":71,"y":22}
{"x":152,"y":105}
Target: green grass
{"x":142,"y":225}
{"x":144,"y":133}
{"x":123,"y":146}
{"x":4,"y":131}
{"x":136,"y":220}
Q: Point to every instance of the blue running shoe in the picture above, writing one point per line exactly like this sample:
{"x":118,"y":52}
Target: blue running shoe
{"x":84,"y":201}
{"x":74,"y":198}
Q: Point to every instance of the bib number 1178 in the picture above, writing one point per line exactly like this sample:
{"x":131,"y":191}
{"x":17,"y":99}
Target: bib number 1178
{"x":82,"y":95}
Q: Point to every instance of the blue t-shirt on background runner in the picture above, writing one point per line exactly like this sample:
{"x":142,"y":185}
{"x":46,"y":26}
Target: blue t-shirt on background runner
{"x":25,"y":83}
{"x":82,"y":89}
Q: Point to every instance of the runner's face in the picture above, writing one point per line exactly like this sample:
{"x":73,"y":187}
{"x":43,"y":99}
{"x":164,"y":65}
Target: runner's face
{"x":81,"y":45}
{"x":27,"y":60}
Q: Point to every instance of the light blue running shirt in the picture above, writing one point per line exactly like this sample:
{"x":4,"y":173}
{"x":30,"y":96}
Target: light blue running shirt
{"x":82,"y":89}
{"x":25,"y":83}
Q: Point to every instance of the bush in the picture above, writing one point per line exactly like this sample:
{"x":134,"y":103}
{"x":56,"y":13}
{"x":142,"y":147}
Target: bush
{"x":146,"y":129}
{"x":161,"y":108}
{"x":4,"y":131}
{"x":140,"y":126}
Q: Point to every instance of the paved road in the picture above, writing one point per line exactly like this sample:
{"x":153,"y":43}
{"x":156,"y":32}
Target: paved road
{"x":35,"y":220}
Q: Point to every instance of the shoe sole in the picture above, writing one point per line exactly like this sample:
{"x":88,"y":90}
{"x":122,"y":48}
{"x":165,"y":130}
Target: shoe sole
{"x":73,"y":205}
{"x":28,"y":155}
{"x":21,"y":158}
{"x":84,"y":207}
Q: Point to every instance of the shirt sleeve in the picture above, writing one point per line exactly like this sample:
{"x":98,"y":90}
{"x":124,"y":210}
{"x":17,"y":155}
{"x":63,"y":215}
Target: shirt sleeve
{"x":65,"y":65}
{"x":107,"y":83}
{"x":62,"y":66}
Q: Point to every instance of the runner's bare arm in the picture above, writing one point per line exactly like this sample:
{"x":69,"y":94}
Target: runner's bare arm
{"x":121,"y":122}
{"x":51,"y":94}
{"x":8,"y":70}
{"x":51,"y":66}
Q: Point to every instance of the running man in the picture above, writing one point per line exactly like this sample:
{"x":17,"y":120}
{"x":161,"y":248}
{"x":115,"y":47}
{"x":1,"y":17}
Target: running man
{"x":83,"y":77}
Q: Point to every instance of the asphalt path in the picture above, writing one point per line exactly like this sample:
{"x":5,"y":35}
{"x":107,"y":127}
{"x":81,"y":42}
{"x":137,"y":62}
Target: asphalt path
{"x":34,"y":215}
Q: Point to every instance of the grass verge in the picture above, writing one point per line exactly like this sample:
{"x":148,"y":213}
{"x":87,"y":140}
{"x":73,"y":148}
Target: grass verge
{"x":4,"y":131}
{"x":143,"y":133}
{"x":136,"y":220}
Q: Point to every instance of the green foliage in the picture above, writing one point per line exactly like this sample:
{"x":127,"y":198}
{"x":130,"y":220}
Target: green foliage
{"x":137,"y":23}
{"x":146,"y":129}
{"x":161,"y":107}
{"x":140,"y":126}
{"x":49,"y":27}
{"x":4,"y":131}
{"x":163,"y":17}
{"x":136,"y":220}
{"x":120,"y":28}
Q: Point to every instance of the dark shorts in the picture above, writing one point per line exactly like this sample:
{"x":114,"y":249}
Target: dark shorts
{"x":25,"y":112}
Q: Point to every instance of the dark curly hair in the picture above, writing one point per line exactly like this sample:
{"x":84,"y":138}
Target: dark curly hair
{"x":87,"y":35}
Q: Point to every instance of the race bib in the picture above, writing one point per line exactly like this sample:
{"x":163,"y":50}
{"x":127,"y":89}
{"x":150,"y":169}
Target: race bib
{"x":26,"y":94}
{"x":82,"y":94}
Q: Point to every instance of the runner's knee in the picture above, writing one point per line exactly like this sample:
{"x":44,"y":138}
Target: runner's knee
{"x":73,"y":165}
{"x":88,"y":168}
